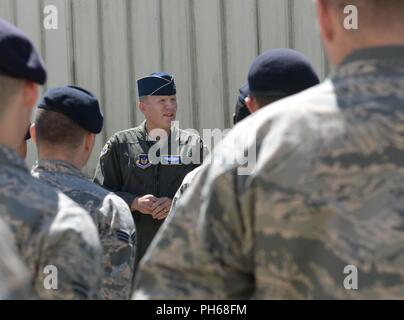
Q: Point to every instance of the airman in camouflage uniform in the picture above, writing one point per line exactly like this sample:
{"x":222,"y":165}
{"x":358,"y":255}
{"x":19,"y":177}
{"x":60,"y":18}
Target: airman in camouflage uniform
{"x":188,"y":180}
{"x":109,"y":212}
{"x":49,"y":229}
{"x":14,"y":277}
{"x":326,"y":191}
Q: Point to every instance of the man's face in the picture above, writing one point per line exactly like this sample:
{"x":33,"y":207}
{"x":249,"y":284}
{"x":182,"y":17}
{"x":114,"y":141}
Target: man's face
{"x":159,"y":111}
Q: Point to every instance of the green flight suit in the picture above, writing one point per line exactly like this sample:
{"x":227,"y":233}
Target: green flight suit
{"x":126,"y":169}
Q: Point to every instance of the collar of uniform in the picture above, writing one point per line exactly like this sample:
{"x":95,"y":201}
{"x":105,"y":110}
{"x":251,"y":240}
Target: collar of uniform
{"x":58,"y":166}
{"x":146,"y":132}
{"x":144,"y":135}
{"x":375,"y":53}
{"x":10,"y":157}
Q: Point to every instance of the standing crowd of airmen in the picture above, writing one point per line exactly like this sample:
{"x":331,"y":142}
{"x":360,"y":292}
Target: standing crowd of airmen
{"x":326,"y":190}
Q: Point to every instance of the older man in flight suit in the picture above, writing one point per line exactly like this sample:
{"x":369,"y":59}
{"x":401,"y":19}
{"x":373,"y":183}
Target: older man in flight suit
{"x":146,"y":165}
{"x":66,"y":123}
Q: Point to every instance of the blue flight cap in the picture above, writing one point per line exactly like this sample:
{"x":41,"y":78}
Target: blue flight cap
{"x":157,"y":84}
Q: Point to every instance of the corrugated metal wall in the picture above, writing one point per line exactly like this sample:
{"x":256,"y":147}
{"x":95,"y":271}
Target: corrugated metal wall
{"x":208,"y":45}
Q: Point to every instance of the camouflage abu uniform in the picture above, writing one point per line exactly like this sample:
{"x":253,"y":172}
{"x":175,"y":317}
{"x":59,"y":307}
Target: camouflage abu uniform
{"x":49,"y":230}
{"x":188,"y":180}
{"x":14,"y":277}
{"x":327,"y":192}
{"x":110,"y":214}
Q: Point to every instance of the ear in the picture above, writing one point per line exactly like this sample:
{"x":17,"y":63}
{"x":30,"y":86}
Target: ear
{"x":32,"y":131}
{"x":142,"y":105}
{"x":30,"y":94}
{"x":89,"y":141}
{"x":251,"y":105}
{"x":325,"y":20}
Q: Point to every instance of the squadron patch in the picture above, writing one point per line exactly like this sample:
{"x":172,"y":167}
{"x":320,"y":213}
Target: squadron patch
{"x":143,"y":161}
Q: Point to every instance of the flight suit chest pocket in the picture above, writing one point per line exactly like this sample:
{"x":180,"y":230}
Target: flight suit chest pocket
{"x":139,"y":167}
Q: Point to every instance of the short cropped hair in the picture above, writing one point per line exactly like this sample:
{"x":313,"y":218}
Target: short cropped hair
{"x":9,"y":87}
{"x":375,"y":13}
{"x":263,"y":101}
{"x":143,"y":99}
{"x":56,"y":129}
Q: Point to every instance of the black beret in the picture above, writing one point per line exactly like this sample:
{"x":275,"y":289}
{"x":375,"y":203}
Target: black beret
{"x":157,"y":84}
{"x":241,"y":111}
{"x":18,"y":56}
{"x":78,"y":104}
{"x":281,"y":72}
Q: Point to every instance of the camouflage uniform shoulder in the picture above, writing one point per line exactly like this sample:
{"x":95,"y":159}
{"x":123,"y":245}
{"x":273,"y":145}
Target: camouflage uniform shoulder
{"x":109,"y":201}
{"x":188,"y":180}
{"x":23,"y":192}
{"x":14,"y":276}
{"x":114,"y":209}
{"x":191,"y":176}
{"x":119,"y":217}
{"x":51,"y":229}
{"x":103,"y":205}
{"x":312,"y":114}
{"x":120,"y":205}
{"x":70,"y":215}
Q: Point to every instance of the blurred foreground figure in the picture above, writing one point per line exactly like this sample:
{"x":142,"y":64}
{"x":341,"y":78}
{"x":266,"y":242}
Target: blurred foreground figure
{"x":321,"y":215}
{"x":14,"y":277}
{"x":55,"y":237}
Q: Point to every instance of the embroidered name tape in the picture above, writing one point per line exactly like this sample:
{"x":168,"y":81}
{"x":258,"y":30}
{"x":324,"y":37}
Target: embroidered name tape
{"x":173,"y":160}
